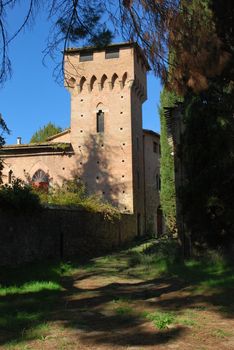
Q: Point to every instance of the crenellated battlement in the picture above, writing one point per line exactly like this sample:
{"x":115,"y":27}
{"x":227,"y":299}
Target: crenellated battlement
{"x":90,"y":70}
{"x":103,"y":83}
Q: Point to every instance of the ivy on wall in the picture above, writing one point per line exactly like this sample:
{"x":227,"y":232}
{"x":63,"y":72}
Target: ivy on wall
{"x":167,"y":194}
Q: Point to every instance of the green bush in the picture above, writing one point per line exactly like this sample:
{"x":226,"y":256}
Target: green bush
{"x":18,"y":196}
{"x":74,"y":194}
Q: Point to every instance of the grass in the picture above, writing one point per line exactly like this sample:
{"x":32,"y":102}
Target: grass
{"x":40,"y":331}
{"x":220,"y":333}
{"x":30,"y":287}
{"x":123,"y":310}
{"x":161,"y":320}
{"x":18,"y":319}
{"x":27,"y":296}
{"x":162,"y":259}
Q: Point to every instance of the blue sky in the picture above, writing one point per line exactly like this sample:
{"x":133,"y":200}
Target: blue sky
{"x":31,"y":98}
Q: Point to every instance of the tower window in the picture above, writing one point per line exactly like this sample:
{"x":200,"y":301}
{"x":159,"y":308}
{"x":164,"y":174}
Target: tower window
{"x":112,"y":53}
{"x":155,"y":147}
{"x":158,"y":182}
{"x":10,"y":176}
{"x":100,"y":121}
{"x":86,"y":56}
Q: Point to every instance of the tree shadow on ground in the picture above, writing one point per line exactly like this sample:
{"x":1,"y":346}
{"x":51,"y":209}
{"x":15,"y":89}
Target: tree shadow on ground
{"x":86,"y":302}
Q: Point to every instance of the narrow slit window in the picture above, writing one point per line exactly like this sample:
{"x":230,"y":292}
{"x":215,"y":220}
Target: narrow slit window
{"x":158,"y":182}
{"x":10,"y":176}
{"x":100,"y":121}
{"x":155,"y":147}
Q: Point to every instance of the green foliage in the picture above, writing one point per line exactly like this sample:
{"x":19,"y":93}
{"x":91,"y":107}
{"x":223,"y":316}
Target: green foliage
{"x":4,"y":129}
{"x":74,"y":194}
{"x":86,"y":26}
{"x":206,"y":152}
{"x":18,"y":197}
{"x":208,"y":159}
{"x":167,"y":172}
{"x":30,"y":287}
{"x":46,"y":131}
{"x":123,"y":310}
{"x":154,"y":259}
{"x":161,"y":320}
{"x":220,"y":333}
{"x":27,"y":296}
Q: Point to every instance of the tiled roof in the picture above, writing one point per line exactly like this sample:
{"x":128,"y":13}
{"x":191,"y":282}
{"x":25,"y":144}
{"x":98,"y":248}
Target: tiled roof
{"x":35,"y":148}
{"x":151,"y":132}
{"x":64,"y":132}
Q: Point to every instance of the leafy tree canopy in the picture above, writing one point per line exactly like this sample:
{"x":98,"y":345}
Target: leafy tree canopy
{"x":46,"y":131}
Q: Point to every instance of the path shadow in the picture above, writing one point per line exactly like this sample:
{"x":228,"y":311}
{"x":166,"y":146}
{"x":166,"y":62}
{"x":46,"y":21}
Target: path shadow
{"x":85,"y":303}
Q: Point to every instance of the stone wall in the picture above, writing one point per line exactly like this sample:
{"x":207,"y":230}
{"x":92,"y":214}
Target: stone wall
{"x":60,"y":234}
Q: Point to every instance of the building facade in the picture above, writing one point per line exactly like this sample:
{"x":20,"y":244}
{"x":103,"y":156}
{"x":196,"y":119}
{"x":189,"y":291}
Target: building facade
{"x":105,"y":147}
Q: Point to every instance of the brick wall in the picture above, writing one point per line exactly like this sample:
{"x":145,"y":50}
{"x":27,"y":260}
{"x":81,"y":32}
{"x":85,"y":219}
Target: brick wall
{"x":56,"y":233}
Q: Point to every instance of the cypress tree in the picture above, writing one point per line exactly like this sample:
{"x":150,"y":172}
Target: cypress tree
{"x":167,"y":194}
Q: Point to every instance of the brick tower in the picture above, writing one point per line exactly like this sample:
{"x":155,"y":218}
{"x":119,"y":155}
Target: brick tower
{"x":108,"y":88}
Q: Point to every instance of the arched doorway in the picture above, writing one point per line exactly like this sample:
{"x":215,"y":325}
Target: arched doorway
{"x":40,"y":180}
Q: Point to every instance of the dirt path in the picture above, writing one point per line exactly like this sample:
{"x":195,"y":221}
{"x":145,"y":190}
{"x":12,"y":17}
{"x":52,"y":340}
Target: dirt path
{"x":108,"y":313}
{"x":102,"y":308}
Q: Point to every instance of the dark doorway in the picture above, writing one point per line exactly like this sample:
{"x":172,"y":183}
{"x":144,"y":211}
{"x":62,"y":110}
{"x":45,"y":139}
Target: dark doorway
{"x":159,"y":222}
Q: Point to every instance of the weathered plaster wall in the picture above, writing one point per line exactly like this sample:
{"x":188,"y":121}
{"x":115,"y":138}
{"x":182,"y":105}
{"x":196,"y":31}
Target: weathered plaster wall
{"x":56,"y":233}
{"x":57,"y":166}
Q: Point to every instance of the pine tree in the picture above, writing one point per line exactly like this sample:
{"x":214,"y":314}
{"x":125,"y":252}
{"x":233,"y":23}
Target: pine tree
{"x":46,"y":131}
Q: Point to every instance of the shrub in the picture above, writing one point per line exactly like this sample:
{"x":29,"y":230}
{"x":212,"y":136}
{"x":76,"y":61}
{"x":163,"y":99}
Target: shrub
{"x":74,"y":194}
{"x":18,"y":196}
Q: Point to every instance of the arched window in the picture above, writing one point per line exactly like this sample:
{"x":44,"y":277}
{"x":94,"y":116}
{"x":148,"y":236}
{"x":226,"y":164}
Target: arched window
{"x":40,"y":179}
{"x":100,"y":121}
